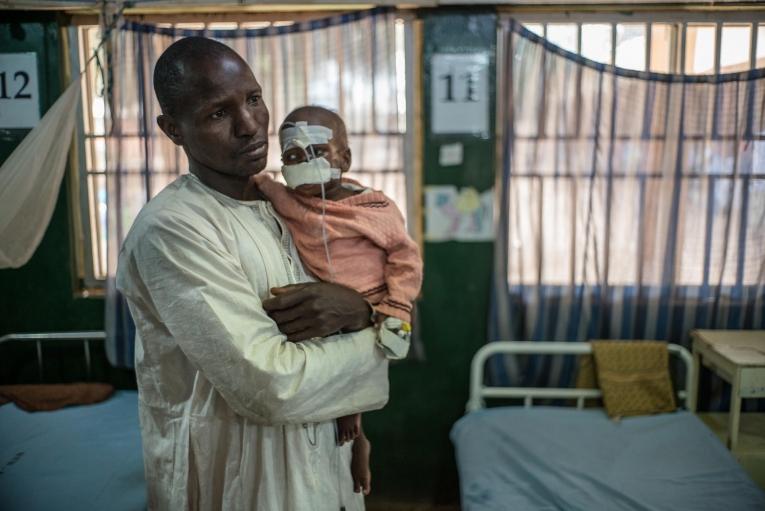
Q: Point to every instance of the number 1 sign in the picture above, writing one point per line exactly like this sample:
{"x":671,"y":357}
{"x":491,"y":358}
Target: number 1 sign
{"x":19,"y":96}
{"x":460,"y":93}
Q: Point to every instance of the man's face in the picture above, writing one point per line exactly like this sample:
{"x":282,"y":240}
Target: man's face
{"x":223,"y":123}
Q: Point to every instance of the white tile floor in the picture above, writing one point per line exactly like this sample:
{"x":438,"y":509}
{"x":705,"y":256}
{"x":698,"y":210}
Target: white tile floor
{"x":750,"y":451}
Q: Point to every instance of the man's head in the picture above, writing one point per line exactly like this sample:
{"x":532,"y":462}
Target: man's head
{"x":335,"y":151}
{"x":212,"y":107}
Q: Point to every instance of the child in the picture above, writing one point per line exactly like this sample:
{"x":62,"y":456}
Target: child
{"x":345,"y":233}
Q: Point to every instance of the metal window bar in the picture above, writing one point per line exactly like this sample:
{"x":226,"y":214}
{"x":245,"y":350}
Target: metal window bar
{"x":91,"y":226}
{"x":40,"y":338}
{"x":753,"y":45}
{"x":648,"y":39}
{"x":677,"y":65}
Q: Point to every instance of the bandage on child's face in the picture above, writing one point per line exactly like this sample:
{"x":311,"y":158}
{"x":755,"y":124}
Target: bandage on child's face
{"x":308,"y":157}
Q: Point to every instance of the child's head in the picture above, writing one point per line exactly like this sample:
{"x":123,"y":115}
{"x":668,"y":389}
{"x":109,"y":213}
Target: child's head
{"x":334,"y":150}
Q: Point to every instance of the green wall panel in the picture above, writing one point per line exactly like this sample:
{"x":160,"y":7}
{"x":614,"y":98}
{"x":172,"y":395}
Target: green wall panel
{"x":412,"y":457}
{"x":39,"y":296}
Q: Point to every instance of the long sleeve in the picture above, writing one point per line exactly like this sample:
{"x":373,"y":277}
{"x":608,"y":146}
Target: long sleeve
{"x":198,"y":291}
{"x":403,"y":266}
{"x":403,"y":276}
{"x":384,"y":226}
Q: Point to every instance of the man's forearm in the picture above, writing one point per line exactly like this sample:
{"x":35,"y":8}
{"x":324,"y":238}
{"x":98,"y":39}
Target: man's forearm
{"x":341,"y":375}
{"x":317,"y":309}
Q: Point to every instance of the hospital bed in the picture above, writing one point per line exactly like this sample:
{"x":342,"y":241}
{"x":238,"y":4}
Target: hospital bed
{"x":533,"y":458}
{"x":78,"y":457}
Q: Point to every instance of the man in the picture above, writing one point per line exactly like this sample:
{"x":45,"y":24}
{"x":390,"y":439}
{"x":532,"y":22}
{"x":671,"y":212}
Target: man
{"x":234,"y":416}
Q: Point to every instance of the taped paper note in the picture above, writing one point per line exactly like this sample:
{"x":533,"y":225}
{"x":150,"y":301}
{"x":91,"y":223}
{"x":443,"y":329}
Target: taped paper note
{"x":458,"y":215}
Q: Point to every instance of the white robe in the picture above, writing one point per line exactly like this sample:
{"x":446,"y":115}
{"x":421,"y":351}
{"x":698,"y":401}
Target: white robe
{"x":233,"y":416}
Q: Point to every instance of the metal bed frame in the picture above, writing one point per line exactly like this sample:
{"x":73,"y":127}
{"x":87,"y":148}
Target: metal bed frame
{"x":40,"y":338}
{"x":479,"y":391}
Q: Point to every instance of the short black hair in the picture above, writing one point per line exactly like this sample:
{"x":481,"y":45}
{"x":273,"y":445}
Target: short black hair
{"x":170,"y":79}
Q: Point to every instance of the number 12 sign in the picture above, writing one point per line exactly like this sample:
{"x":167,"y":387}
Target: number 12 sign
{"x":460,"y":93}
{"x":19,"y":97}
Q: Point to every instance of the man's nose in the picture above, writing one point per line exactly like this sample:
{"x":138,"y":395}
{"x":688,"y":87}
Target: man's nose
{"x":246,"y":123}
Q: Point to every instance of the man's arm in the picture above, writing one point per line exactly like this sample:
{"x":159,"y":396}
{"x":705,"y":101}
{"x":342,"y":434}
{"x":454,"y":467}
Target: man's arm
{"x":317,"y":309}
{"x":203,"y":298}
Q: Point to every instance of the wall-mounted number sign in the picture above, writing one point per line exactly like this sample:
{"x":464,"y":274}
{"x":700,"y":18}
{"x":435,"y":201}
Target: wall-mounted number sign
{"x":19,"y":92}
{"x":460,"y":93}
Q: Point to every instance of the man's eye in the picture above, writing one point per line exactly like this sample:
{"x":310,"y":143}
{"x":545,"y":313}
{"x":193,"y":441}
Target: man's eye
{"x":218,"y":114}
{"x":254,"y":100}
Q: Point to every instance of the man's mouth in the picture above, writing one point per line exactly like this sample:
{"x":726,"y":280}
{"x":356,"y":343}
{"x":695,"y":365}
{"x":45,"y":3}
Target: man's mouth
{"x":255,"y":150}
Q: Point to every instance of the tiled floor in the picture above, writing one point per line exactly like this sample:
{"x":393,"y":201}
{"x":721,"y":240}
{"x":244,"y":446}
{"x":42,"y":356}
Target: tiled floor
{"x":750,"y":451}
{"x":373,"y":505}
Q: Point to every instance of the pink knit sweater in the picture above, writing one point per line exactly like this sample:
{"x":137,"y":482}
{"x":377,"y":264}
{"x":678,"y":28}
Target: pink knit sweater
{"x":368,"y":244}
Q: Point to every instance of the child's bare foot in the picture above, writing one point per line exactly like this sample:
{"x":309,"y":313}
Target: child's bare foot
{"x":348,"y":428}
{"x":362,"y":476}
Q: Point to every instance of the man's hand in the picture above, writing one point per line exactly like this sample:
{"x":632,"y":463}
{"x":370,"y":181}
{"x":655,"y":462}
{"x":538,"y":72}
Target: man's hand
{"x":317,"y":309}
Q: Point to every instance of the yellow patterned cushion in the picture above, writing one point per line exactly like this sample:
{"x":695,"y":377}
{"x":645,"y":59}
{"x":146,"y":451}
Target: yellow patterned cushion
{"x":634,"y":377}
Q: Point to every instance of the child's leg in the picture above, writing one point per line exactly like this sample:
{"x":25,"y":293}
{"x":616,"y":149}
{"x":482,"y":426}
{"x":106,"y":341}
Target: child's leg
{"x":362,"y":475}
{"x":348,"y":428}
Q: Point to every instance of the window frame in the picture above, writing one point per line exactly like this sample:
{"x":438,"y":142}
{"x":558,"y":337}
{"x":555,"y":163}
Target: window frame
{"x":91,"y":278}
{"x":680,"y":20}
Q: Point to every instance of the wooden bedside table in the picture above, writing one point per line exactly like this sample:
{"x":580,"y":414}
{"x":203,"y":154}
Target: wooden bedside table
{"x":738,"y":357}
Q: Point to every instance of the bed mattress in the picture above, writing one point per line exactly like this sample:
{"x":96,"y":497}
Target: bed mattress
{"x":546,"y":458}
{"x":80,"y":457}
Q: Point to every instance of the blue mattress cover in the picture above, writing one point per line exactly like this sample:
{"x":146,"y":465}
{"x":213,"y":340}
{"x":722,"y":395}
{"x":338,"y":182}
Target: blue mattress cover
{"x":546,"y":458}
{"x":78,"y":458}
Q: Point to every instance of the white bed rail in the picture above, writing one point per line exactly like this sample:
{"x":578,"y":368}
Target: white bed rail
{"x":40,"y":338}
{"x":479,"y":391}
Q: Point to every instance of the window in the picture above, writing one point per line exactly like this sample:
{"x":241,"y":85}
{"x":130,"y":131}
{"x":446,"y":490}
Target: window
{"x":653,"y":43}
{"x":340,"y":67}
{"x":552,"y":155}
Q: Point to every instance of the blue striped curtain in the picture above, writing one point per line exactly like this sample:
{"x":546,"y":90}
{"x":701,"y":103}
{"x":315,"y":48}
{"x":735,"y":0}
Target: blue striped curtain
{"x":350,"y":63}
{"x":632,"y":204}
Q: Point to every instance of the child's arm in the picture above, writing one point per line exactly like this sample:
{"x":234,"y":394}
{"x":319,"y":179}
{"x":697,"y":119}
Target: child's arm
{"x":403,"y":269}
{"x":403,"y":276}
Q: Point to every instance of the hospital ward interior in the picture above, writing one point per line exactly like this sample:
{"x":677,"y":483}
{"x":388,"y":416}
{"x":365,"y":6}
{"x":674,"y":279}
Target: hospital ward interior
{"x":562,"y":306}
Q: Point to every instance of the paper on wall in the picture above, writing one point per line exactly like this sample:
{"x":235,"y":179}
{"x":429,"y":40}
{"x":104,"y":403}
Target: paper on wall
{"x":458,"y":215}
{"x":450,"y":154}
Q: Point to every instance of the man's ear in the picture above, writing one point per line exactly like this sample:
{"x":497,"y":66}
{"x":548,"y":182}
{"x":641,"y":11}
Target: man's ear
{"x":345,"y":160}
{"x":168,"y":125}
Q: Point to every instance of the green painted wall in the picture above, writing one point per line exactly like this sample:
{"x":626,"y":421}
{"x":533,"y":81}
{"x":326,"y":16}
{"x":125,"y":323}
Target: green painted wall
{"x":39,"y":297}
{"x":412,"y":456}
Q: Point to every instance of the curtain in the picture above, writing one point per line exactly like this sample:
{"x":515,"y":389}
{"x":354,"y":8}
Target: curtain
{"x":631,"y":204}
{"x":351,"y":63}
{"x":30,"y":179}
